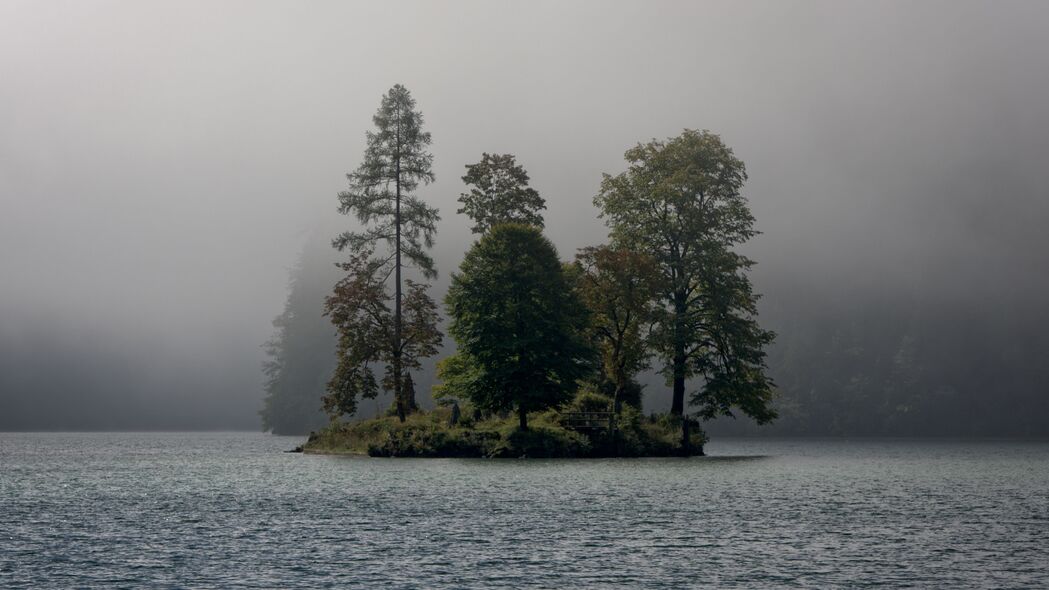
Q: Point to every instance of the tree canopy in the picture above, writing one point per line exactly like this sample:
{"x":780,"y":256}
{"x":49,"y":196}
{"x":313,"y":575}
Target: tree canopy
{"x":619,"y":287}
{"x":499,"y":193}
{"x":359,"y":308}
{"x":680,"y":201}
{"x":519,"y":326}
{"x":381,"y":192}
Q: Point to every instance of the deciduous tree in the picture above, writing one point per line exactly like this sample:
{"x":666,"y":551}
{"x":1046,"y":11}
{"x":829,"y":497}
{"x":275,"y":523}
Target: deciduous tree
{"x":368,"y":337}
{"x":681,"y":201}
{"x":619,"y":287}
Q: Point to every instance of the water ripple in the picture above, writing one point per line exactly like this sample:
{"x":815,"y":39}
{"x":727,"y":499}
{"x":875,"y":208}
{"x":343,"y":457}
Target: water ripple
{"x":229,"y":510}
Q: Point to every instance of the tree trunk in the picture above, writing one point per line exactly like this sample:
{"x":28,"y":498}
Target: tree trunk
{"x":397,"y":389}
{"x":522,"y":418}
{"x":408,"y":392}
{"x":677,"y":405}
{"x":617,"y":395}
{"x":620,"y":379}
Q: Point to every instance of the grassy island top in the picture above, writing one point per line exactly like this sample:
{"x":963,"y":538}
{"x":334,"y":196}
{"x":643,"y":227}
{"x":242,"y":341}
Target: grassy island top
{"x":576,"y":431}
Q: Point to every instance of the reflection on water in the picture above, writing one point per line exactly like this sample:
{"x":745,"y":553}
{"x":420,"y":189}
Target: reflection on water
{"x":226,"y":510}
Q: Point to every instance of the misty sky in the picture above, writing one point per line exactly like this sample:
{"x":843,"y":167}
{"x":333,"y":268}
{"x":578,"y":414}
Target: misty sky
{"x":162,"y":163}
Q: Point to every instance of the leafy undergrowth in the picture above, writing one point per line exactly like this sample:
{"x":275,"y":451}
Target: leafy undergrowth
{"x":430,"y":434}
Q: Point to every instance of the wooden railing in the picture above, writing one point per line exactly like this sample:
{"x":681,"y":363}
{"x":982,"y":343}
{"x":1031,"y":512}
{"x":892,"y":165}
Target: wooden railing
{"x":588,"y":420}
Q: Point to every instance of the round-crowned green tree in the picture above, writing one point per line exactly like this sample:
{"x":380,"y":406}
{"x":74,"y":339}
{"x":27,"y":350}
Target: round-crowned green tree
{"x":519,"y":326}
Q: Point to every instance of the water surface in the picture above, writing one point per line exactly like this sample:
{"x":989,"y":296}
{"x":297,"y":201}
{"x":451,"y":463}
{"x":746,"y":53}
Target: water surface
{"x":230,"y":510}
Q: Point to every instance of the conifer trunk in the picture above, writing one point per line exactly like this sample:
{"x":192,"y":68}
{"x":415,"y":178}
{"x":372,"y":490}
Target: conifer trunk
{"x":398,"y":392}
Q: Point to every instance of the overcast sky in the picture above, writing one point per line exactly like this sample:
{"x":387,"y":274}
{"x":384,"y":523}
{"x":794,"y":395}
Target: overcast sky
{"x":161,"y":163}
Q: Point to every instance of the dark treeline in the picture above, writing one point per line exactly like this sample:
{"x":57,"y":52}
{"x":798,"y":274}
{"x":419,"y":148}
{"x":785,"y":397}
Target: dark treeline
{"x":903,"y":364}
{"x":894,"y":365}
{"x":301,"y":353}
{"x":70,"y":376}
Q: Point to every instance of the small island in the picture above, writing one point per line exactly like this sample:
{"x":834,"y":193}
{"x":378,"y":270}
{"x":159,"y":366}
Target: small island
{"x":547,"y":351}
{"x":574,"y":432}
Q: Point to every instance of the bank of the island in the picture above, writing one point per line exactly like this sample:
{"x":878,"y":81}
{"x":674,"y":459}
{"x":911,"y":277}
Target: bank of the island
{"x":582,"y":430}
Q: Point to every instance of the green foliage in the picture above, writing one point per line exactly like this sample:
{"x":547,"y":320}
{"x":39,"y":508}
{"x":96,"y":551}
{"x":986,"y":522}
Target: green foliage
{"x":518,"y":324}
{"x":457,"y":375}
{"x":664,"y":432}
{"x":375,"y":433}
{"x":590,"y":401}
{"x":428,"y":434}
{"x":499,"y":193}
{"x":619,"y":287}
{"x":435,"y":442}
{"x":639,"y":436}
{"x":634,"y":435}
{"x":630,"y":394}
{"x":542,"y":441}
{"x":681,"y":202}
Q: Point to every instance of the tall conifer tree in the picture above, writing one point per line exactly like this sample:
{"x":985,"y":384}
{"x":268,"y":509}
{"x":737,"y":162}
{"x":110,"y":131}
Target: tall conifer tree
{"x":382,"y":197}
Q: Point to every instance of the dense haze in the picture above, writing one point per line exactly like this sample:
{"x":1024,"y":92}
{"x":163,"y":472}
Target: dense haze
{"x":163,"y":165}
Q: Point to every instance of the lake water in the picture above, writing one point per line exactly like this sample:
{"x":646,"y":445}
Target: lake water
{"x":230,"y":510}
